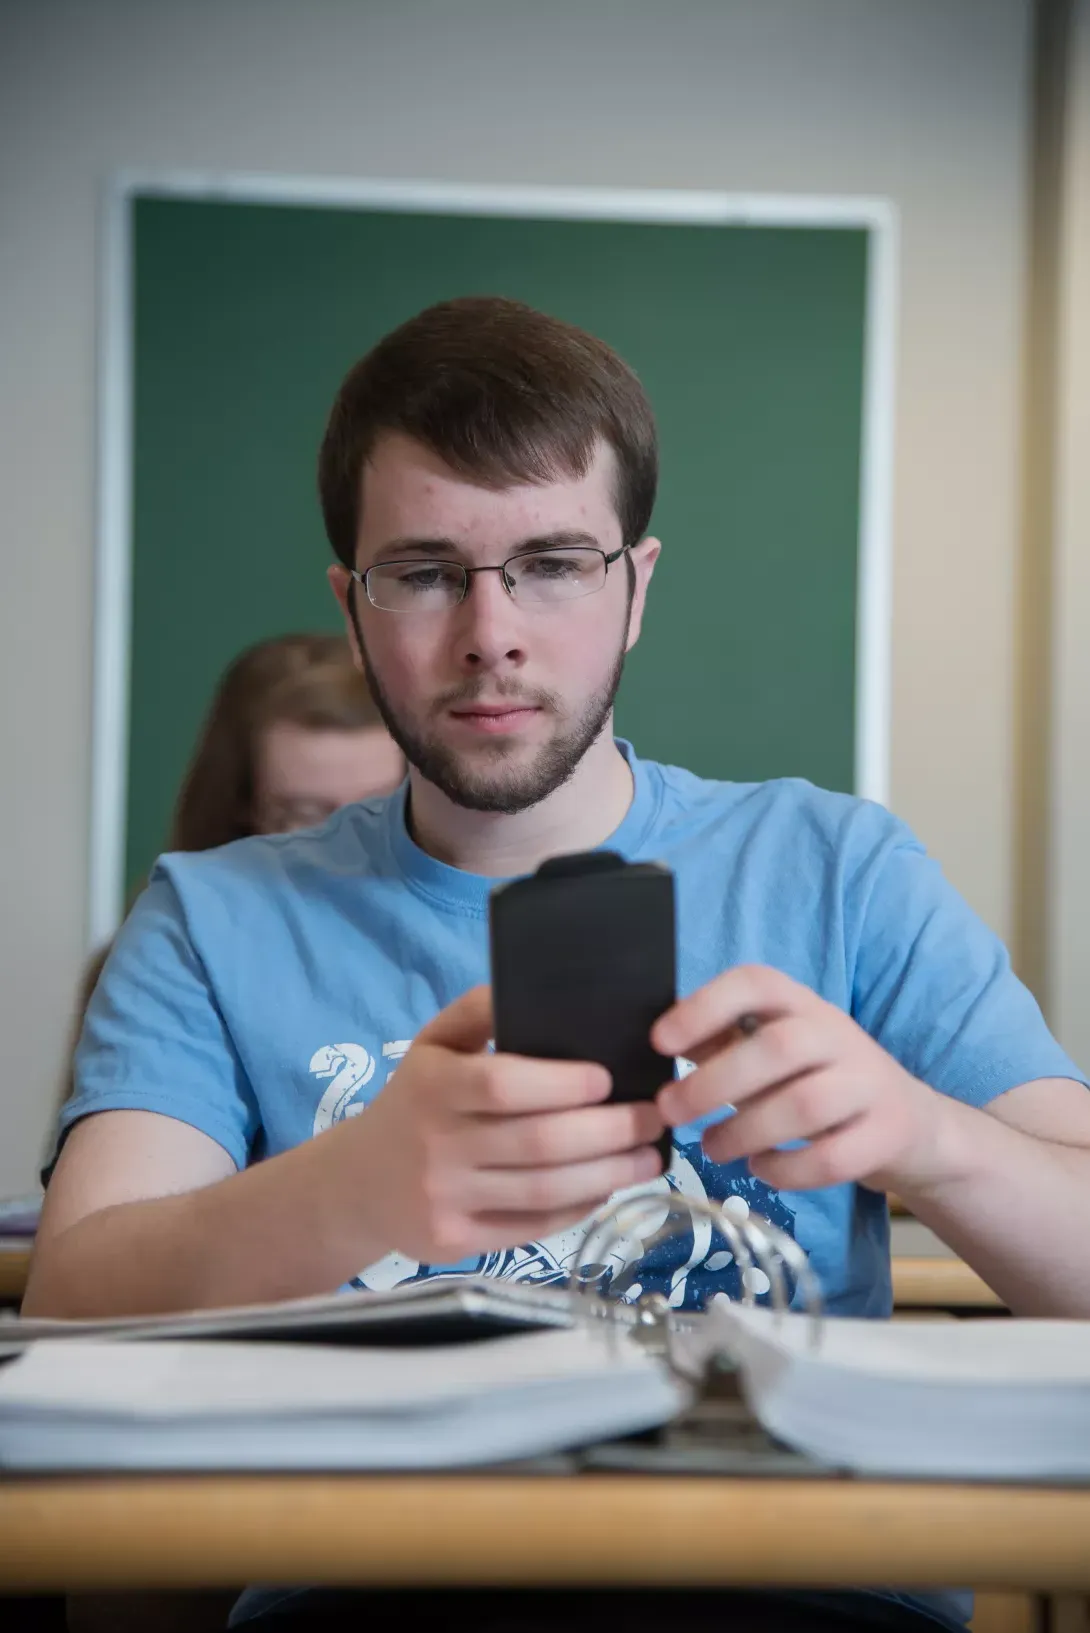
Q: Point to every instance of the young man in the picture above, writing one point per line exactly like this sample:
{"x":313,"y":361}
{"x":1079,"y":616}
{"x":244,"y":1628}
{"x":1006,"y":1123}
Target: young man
{"x":487,"y":479}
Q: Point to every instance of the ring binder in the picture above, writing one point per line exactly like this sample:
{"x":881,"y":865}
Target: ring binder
{"x":754,"y":1241}
{"x":716,"y":1433}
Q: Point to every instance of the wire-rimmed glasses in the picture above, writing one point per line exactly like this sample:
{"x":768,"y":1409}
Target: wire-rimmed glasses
{"x":534,"y":577}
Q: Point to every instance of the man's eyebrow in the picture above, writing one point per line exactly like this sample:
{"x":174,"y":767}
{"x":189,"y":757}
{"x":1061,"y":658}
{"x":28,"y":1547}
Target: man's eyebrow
{"x":562,"y":538}
{"x":394,"y":549}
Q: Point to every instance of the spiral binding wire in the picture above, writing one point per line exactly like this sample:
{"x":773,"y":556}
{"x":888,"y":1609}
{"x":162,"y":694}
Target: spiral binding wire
{"x":754,"y":1239}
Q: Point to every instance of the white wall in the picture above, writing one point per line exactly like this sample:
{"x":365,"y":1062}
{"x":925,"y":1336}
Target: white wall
{"x":922,"y":101}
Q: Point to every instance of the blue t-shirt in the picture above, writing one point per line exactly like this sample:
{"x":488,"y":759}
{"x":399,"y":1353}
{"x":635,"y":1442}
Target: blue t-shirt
{"x":267,"y":990}
{"x":264,"y":991}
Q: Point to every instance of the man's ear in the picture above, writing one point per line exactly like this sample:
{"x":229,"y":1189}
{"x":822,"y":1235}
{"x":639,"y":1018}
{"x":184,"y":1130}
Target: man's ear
{"x":343,"y":586}
{"x":643,"y":557}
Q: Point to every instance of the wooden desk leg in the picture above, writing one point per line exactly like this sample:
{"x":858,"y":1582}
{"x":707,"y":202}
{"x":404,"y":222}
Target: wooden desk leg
{"x":1069,"y":1613}
{"x":1008,"y":1613}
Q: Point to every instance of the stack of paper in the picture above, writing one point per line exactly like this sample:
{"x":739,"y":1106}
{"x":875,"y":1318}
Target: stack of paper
{"x":104,"y":1404}
{"x":974,"y":1399}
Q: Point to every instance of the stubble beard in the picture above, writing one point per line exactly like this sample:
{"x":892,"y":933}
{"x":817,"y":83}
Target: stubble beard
{"x":501,"y":786}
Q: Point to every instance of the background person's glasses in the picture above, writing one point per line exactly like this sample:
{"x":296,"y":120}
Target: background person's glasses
{"x":537,"y":577}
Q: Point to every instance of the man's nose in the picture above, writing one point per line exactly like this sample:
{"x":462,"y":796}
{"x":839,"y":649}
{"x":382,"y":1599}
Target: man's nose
{"x":490,"y":624}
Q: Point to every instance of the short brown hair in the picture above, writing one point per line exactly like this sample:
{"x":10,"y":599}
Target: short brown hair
{"x":499,"y":392}
{"x":310,"y":680}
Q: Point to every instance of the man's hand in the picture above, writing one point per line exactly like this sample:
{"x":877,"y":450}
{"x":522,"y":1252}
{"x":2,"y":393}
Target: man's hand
{"x":806,"y":1071}
{"x":465,"y":1152}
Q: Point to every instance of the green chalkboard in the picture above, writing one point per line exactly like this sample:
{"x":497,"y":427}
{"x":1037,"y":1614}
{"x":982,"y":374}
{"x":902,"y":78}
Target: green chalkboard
{"x":749,"y":340}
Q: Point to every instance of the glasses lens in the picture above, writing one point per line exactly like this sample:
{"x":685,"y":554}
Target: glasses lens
{"x":556,"y":575}
{"x":416,"y":586}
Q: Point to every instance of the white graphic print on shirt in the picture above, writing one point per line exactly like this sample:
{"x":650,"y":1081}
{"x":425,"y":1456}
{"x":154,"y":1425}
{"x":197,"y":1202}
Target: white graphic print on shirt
{"x":350,"y":1068}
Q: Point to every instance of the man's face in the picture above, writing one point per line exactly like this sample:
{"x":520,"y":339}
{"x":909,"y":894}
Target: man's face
{"x":494,"y":701}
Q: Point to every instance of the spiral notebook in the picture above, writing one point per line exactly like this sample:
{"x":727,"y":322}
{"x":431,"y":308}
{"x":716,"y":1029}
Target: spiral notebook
{"x":403,"y":1381}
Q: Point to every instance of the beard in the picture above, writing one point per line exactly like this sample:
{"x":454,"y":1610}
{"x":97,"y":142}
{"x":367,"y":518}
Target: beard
{"x":502,"y":785}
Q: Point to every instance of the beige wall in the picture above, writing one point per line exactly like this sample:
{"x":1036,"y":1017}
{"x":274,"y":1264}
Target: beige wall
{"x":1069,"y":884}
{"x":921,"y":101}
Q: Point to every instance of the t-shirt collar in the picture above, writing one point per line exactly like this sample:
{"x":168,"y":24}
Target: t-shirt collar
{"x":467,"y":893}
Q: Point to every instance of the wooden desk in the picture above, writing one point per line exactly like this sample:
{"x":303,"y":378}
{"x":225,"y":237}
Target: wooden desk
{"x":940,"y":1283}
{"x":14,"y":1263}
{"x":68,"y":1534}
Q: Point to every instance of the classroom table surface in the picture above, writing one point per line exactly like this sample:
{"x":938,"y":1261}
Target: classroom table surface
{"x":193,"y":1531}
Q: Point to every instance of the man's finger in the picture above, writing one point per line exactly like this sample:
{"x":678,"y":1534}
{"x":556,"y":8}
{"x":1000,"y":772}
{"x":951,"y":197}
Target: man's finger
{"x":550,"y":1138}
{"x":804,"y":1109}
{"x":747,"y":1066}
{"x":579,"y":1185}
{"x":514,"y":1085}
{"x":841,"y":1156}
{"x":717,"y":1008}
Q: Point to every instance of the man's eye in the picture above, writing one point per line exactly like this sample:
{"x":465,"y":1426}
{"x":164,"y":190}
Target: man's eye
{"x":551,"y":567}
{"x":431,"y":577}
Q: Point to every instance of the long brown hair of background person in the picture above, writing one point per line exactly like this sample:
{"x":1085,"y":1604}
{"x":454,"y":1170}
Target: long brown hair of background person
{"x":308,"y":682}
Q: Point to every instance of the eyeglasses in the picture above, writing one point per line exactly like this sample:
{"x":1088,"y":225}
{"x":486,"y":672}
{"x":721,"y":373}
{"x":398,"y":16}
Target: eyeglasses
{"x":536,"y":578}
{"x":286,"y":815}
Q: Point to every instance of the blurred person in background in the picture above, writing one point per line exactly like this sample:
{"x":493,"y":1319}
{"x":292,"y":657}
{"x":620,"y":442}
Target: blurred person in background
{"x":291,"y":735}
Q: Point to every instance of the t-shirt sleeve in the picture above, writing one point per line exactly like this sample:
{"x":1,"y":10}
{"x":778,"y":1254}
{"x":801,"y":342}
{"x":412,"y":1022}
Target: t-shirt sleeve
{"x":935,"y":987}
{"x":154,"y":1038}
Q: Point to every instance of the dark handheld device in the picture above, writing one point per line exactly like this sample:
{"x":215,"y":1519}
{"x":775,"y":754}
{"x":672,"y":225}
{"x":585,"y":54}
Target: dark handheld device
{"x":584,"y":963}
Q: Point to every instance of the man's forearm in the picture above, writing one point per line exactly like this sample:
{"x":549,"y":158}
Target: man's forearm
{"x":276,"y":1230}
{"x":1015,"y":1207}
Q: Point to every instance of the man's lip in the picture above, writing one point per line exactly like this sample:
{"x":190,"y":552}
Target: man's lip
{"x":490,"y":710}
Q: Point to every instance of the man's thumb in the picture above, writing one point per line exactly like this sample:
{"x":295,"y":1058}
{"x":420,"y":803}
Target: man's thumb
{"x":465,"y":1025}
